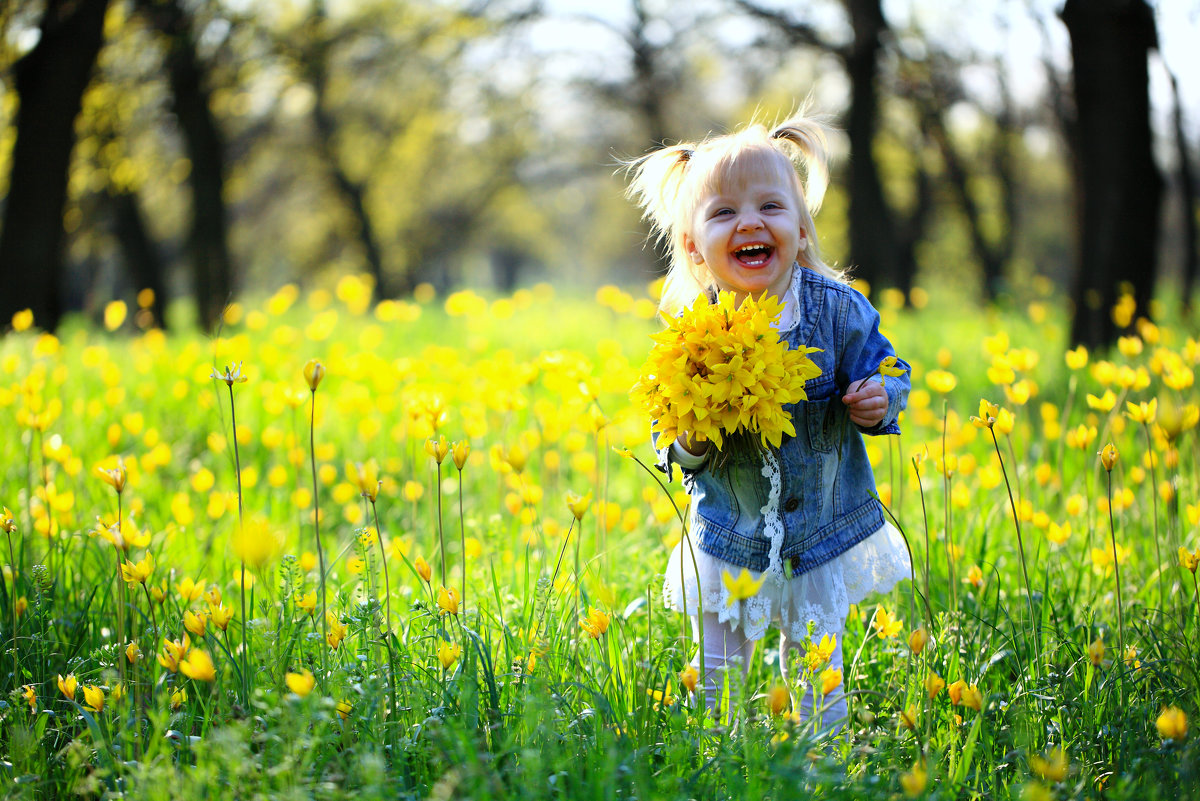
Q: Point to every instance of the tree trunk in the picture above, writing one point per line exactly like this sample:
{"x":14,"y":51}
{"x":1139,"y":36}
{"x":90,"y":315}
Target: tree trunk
{"x":1187,"y":201}
{"x":142,"y":260}
{"x":212,"y":268}
{"x":50,"y":81}
{"x":1115,"y":175}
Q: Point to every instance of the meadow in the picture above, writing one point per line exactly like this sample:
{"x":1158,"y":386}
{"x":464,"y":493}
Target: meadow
{"x":414,"y":551}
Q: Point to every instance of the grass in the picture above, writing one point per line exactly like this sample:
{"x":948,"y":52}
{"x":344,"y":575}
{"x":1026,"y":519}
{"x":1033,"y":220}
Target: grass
{"x":500,"y":692}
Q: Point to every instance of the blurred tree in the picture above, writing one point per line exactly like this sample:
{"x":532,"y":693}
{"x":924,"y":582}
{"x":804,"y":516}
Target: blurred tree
{"x":1187,"y":199}
{"x":1117,"y":180}
{"x":881,"y":243}
{"x":212,"y":267}
{"x":50,"y":80}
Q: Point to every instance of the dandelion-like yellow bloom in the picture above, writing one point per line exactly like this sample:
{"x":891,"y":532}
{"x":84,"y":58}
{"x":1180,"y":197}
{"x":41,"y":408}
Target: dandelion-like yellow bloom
{"x":688,"y":678}
{"x":719,"y":370}
{"x":595,"y":624}
{"x":742,"y":586}
{"x":448,"y":600}
{"x":1172,"y":724}
{"x":300,"y":683}
{"x":934,"y":685}
{"x":459,"y":452}
{"x":220,"y":615}
{"x":578,"y":504}
{"x":68,"y":685}
{"x":93,"y":697}
{"x":197,"y":624}
{"x":448,"y":654}
{"x":308,"y":602}
{"x":886,"y":626}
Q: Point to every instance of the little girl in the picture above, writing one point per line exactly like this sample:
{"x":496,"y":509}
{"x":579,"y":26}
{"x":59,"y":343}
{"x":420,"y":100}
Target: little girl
{"x":803,"y":518}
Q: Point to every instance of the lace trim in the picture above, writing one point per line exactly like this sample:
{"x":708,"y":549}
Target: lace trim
{"x":822,"y":595}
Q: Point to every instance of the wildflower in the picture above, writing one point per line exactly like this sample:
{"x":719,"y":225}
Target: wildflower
{"x":1189,"y":560}
{"x":965,"y":694}
{"x":1104,"y":403}
{"x":1052,"y":767}
{"x":688,"y":678}
{"x":934,"y":684}
{"x":256,"y":543}
{"x":344,"y":708}
{"x":888,"y":367}
{"x":941,"y":381}
{"x":596,"y":623}
{"x":974,"y":576}
{"x":189,"y":590}
{"x":308,"y":602}
{"x":178,"y":699}
{"x":1096,"y":651}
{"x":1077,"y":358}
{"x":988,"y":412}
{"x":365,"y":476}
{"x":885,"y":625}
{"x":30,"y":696}
{"x":1172,"y":724}
{"x":742,"y":587}
{"x":778,"y":699}
{"x":22,"y":320}
{"x":1131,"y":657}
{"x":1058,"y":534}
{"x":913,"y":782}
{"x":21,"y":606}
{"x":459,"y":452}
{"x":578,"y":504}
{"x":137,"y":573}
{"x":133,"y":654}
{"x":662,"y":697}
{"x":115,"y":477}
{"x":447,"y":600}
{"x":437,"y":448}
{"x":300,"y":683}
{"x":1108,"y":457}
{"x":1143,"y":412}
{"x":448,"y":654}
{"x":173,"y":652}
{"x":831,"y":679}
{"x":423,"y":569}
{"x":93,"y":697}
{"x":196,"y":624}
{"x":908,"y":717}
{"x":314,"y":371}
{"x":232,"y":375}
{"x":67,"y":686}
{"x":683,"y":388}
{"x":198,"y":666}
{"x":220,"y":615}
{"x":917,"y":641}
{"x":7,"y":524}
{"x":820,"y":652}
{"x":337,"y":631}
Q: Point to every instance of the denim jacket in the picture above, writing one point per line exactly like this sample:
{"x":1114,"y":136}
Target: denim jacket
{"x":827,"y":502}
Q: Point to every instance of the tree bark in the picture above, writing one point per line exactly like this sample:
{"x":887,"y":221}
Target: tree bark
{"x":1116,"y":178}
{"x":212,"y":267}
{"x":1187,"y":201}
{"x":50,"y":81}
{"x":146,"y":269}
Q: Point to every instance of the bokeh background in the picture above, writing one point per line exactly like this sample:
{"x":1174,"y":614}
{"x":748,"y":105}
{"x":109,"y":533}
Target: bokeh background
{"x":204,"y":149}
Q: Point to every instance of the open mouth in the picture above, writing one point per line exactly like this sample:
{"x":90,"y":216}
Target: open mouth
{"x":753,"y":255}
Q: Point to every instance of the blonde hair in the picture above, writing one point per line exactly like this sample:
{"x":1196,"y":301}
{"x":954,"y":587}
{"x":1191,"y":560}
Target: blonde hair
{"x":671,"y":182}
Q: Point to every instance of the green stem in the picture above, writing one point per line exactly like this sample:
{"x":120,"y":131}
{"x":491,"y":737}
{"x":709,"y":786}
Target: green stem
{"x":1020,"y":549}
{"x":387,"y":602}
{"x":1112,"y":530}
{"x":312,"y":451}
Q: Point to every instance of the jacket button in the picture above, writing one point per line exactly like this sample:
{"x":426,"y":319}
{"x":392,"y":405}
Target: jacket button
{"x":791,"y":505}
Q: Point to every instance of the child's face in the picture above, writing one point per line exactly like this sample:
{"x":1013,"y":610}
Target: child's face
{"x":747,"y":235}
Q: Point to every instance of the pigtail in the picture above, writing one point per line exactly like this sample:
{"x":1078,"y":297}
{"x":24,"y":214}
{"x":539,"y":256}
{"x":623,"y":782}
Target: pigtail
{"x":654,"y":184}
{"x":809,"y":139}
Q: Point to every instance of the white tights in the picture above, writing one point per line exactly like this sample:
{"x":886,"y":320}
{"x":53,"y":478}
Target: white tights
{"x":725,"y":646}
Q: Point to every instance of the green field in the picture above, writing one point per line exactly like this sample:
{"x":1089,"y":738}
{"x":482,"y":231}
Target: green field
{"x":453,"y":663}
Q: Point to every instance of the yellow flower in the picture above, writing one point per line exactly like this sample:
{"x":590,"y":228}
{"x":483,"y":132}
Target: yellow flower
{"x":30,"y":696}
{"x":220,"y":615}
{"x":1108,"y":457}
{"x":67,"y":686}
{"x":913,"y":782}
{"x":437,"y":448}
{"x":688,"y":678}
{"x":448,"y":654}
{"x":742,"y":587}
{"x":336,"y":631}
{"x":1189,"y":560}
{"x":232,"y":375}
{"x":178,"y":699}
{"x":190,"y":590}
{"x":314,"y":371}
{"x":941,"y":381}
{"x":934,"y":684}
{"x":173,"y":653}
{"x":888,"y":367}
{"x":884,"y":624}
{"x":447,"y":600}
{"x":137,"y":573}
{"x":22,"y":320}
{"x":778,"y":699}
{"x":1096,"y":652}
{"x":196,"y":624}
{"x":596,"y":623}
{"x":423,"y":569}
{"x":308,"y":602}
{"x":908,"y":717}
{"x":1052,"y":767}
{"x":133,"y":654}
{"x":1143,"y":412}
{"x":364,"y":476}
{"x":7,"y":524}
{"x":1172,"y":724}
{"x":831,"y":679}
{"x":300,"y":683}
{"x":344,"y":708}
{"x":256,"y":542}
{"x":963,"y":694}
{"x":578,"y":504}
{"x":114,"y":477}
{"x":459,"y":452}
{"x":114,"y":315}
{"x":917,"y":641}
{"x":820,"y":653}
{"x":988,"y":412}
{"x":974,"y":576}
{"x":1077,"y":359}
{"x":93,"y":697}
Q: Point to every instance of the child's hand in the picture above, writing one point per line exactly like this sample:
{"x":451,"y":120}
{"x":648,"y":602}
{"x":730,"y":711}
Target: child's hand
{"x":867,"y":404}
{"x":693,"y":446}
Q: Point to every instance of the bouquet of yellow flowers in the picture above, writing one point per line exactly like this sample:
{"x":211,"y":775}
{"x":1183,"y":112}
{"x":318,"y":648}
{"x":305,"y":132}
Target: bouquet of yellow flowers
{"x":718,"y":371}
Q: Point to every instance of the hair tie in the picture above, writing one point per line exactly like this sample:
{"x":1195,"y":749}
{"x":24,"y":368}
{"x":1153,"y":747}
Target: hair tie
{"x":686,"y":154}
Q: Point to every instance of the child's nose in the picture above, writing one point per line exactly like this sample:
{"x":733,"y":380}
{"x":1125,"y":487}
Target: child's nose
{"x":749,"y":222}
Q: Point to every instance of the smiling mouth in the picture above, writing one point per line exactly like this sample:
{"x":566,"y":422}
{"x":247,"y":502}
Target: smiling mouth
{"x":753,"y":255}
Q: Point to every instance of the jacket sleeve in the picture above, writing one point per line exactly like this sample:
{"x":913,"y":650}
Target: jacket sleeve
{"x":671,"y":453}
{"x":864,"y":348}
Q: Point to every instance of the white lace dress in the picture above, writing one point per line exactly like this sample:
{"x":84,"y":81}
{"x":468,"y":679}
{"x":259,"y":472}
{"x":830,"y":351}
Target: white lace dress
{"x":822,"y":595}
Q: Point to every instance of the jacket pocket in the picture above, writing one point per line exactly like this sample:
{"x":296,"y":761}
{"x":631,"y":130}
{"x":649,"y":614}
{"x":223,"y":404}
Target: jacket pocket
{"x":821,"y":420}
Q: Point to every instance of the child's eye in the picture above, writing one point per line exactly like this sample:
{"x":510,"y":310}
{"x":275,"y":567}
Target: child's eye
{"x":771,"y":205}
{"x":720,"y":212}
